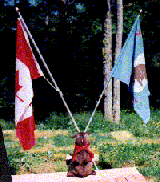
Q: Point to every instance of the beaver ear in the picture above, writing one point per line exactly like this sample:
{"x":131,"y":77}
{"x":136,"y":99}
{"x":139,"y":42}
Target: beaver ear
{"x":89,"y":133}
{"x":73,"y":136}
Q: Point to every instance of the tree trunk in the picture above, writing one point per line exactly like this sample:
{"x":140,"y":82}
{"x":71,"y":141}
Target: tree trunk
{"x":108,"y":64}
{"x":116,"y":91}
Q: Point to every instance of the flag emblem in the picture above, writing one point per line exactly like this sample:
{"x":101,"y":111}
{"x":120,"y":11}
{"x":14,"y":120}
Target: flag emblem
{"x":139,"y":33}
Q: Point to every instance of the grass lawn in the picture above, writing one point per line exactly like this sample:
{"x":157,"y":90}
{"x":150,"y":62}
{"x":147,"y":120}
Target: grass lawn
{"x":128,"y":144}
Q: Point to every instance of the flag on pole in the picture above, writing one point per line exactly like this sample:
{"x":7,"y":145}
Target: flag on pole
{"x":132,"y":62}
{"x":26,"y":69}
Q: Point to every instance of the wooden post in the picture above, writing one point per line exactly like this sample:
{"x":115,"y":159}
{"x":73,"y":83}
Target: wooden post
{"x":116,"y":91}
{"x":108,"y":63}
{"x":5,"y":172}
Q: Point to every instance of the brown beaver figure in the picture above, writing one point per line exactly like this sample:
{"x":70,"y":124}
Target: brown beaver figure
{"x":81,"y":164}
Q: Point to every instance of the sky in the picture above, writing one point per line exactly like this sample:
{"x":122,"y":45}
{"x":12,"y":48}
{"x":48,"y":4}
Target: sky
{"x":11,"y":2}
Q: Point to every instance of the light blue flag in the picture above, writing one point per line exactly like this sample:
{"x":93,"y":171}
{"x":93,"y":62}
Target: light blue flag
{"x":123,"y":67}
{"x":132,"y":54}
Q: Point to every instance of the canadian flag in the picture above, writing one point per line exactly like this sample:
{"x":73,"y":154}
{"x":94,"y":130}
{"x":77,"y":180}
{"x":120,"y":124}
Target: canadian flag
{"x":26,"y":69}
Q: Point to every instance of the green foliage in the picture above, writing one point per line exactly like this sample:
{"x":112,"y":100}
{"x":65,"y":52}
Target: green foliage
{"x":13,"y":154}
{"x":145,"y":156}
{"x":156,"y":61}
{"x":54,"y":121}
{"x":129,"y":121}
{"x":7,"y":125}
{"x":151,"y":168}
{"x":132,"y":122}
{"x":98,"y":122}
{"x":61,"y":140}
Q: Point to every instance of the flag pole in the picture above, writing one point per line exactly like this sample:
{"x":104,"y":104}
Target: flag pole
{"x":46,"y":66}
{"x":140,"y":11}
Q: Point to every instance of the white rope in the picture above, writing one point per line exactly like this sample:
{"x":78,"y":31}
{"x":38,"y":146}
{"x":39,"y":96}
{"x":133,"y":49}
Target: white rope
{"x":95,"y":164}
{"x":57,"y":89}
{"x":50,"y":74}
{"x":97,"y":104}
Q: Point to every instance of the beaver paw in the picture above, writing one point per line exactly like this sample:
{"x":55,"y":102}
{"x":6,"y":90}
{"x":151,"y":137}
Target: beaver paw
{"x":70,"y":174}
{"x":93,"y":172}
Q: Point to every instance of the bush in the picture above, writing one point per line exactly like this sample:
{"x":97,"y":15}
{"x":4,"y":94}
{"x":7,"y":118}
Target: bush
{"x":132,"y":122}
{"x":98,"y":122}
{"x":54,"y":121}
{"x":145,"y":156}
{"x":129,"y":121}
{"x":7,"y":125}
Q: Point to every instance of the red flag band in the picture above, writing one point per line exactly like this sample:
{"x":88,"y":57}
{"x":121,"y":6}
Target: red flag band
{"x":26,"y":69}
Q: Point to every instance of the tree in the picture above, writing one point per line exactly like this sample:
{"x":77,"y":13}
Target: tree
{"x":24,"y":2}
{"x":82,"y":32}
{"x":116,"y":91}
{"x":108,"y":63}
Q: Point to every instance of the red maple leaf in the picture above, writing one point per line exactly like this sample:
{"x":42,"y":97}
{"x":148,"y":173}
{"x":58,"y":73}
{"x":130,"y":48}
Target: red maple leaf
{"x":17,"y":86}
{"x":138,"y":33}
{"x":135,"y":101}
